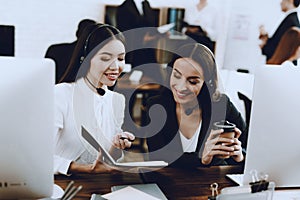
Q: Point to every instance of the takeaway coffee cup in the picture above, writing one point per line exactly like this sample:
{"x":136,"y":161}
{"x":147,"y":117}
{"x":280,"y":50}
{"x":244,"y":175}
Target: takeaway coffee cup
{"x":228,"y":131}
{"x":227,"y":127}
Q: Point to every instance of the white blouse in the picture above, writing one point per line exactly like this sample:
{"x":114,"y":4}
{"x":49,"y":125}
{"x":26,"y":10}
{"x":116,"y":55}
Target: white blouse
{"x":190,"y":145}
{"x":207,"y":18}
{"x":77,"y":105}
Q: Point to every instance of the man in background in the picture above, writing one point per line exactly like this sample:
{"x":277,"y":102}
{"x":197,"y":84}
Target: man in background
{"x":133,"y":14}
{"x":62,"y":53}
{"x":269,"y":45}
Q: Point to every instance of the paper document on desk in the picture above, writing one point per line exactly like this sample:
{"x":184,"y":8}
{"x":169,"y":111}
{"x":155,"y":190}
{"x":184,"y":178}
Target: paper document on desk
{"x":165,"y":28}
{"x":128,"y":193}
{"x":111,"y":161}
{"x":151,"y":189}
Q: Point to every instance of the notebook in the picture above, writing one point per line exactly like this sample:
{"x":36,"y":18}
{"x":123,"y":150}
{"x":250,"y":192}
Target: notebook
{"x":111,"y":161}
{"x":273,"y":141}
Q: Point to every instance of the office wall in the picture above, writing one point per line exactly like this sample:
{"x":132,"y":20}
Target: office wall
{"x":41,"y":23}
{"x":240,"y":46}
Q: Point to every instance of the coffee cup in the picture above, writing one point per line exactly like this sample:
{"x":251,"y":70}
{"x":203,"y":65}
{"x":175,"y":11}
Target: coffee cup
{"x":228,"y":131}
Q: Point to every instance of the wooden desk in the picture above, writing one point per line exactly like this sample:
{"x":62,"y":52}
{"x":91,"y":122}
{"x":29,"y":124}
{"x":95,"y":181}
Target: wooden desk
{"x":190,"y":183}
{"x":175,"y":183}
{"x":97,"y":183}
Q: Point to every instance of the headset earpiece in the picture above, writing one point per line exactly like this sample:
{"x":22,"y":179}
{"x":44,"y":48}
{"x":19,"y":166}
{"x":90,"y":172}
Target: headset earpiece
{"x":210,"y":83}
{"x":88,"y":38}
{"x":81,"y":59}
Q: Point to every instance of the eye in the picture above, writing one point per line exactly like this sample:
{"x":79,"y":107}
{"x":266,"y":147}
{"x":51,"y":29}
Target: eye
{"x":105,"y":58}
{"x":121,"y":59}
{"x":194,"y":82}
{"x":176,"y":75}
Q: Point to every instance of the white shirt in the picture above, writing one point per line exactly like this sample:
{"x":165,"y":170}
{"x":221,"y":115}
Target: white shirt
{"x":207,"y":18}
{"x":76,"y":105}
{"x":139,"y":6}
{"x":190,"y":145}
{"x":288,"y":63}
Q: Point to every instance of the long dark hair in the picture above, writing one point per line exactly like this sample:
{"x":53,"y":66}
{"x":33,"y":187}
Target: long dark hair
{"x":93,"y":38}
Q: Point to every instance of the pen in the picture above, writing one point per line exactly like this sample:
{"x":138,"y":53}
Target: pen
{"x":67,"y":189}
{"x":69,"y":193}
{"x":74,"y":193}
{"x":123,"y":138}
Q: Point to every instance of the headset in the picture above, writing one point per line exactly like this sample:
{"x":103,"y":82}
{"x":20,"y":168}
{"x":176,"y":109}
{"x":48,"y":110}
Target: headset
{"x":88,"y":38}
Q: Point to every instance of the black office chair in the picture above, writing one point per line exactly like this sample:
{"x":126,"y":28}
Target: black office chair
{"x":248,"y":104}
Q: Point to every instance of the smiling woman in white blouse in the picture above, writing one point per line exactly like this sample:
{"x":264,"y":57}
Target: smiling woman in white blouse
{"x":96,"y":63}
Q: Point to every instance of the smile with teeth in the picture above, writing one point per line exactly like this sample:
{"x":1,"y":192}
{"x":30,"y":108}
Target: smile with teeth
{"x":112,"y":76}
{"x":182,"y":94}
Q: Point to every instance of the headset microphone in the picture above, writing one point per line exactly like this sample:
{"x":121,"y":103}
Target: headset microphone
{"x":189,"y":111}
{"x":100,"y":90}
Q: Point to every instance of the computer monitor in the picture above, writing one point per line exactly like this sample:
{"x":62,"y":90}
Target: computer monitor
{"x":274,"y":134}
{"x":7,"y":40}
{"x":27,"y":127}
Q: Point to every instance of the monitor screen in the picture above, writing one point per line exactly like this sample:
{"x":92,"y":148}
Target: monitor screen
{"x":27,"y":127}
{"x":7,"y":40}
{"x":273,"y":141}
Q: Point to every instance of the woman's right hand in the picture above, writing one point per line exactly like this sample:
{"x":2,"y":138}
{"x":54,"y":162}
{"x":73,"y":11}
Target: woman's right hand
{"x":99,"y":166}
{"x":214,"y":146}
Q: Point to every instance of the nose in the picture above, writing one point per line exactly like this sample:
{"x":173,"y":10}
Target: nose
{"x":181,"y":85}
{"x":114,"y":65}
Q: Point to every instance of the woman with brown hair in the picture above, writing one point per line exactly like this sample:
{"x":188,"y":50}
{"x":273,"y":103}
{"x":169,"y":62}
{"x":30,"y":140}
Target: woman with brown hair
{"x":193,"y":103}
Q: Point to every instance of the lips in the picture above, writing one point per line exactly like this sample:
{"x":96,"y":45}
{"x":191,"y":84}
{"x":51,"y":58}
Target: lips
{"x":112,"y":76}
{"x":182,"y":95}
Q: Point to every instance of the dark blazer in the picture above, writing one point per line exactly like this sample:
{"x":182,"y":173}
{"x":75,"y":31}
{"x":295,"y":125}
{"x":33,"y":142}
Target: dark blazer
{"x":61,"y":54}
{"x":128,"y":17}
{"x":166,"y":144}
{"x":288,"y":22}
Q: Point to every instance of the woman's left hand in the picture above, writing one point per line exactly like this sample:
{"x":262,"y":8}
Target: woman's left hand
{"x":237,"y":154}
{"x":123,"y":140}
{"x":222,"y":147}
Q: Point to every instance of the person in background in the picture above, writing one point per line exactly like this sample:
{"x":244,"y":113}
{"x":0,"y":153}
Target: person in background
{"x":269,"y":44}
{"x":202,"y":23}
{"x":288,"y":49}
{"x":192,"y":104}
{"x":61,"y":53}
{"x":100,"y":55}
{"x":138,"y":15}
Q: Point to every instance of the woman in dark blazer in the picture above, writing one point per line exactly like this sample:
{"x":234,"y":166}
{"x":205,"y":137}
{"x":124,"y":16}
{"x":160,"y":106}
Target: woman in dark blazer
{"x":192,"y":104}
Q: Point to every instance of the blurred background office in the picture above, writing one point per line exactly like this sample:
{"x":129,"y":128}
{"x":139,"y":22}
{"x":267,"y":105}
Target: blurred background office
{"x":38,"y":24}
{"x":31,"y":27}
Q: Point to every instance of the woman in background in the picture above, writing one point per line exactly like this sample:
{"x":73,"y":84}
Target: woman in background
{"x":203,"y":23}
{"x":192,"y":104}
{"x":96,"y":63}
{"x":288,"y":49}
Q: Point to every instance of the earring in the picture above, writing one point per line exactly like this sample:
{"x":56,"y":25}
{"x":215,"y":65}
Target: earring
{"x":210,"y":83}
{"x":81,"y":59}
